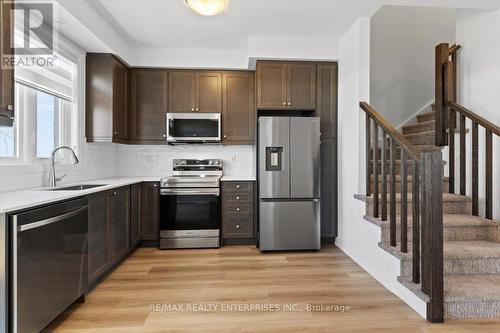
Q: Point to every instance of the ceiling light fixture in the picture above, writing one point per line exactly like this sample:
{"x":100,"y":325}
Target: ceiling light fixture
{"x":207,"y":7}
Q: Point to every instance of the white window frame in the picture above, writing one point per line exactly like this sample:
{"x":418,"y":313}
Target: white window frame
{"x":25,"y":131}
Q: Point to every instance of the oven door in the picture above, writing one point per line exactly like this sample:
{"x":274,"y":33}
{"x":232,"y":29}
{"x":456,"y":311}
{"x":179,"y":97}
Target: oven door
{"x":189,"y":209}
{"x":190,"y":128}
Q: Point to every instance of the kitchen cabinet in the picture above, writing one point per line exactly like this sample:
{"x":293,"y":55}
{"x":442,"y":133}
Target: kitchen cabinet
{"x":149,"y":94}
{"x":107,"y":99}
{"x":135,"y":215}
{"x":6,"y":74}
{"x":329,"y":188}
{"x":99,"y":235}
{"x":195,"y":91}
{"x":286,"y":85}
{"x":150,"y":211}
{"x":326,"y":93}
{"x":119,"y":210}
{"x":238,"y":111}
{"x":109,"y":228}
{"x":238,"y":210}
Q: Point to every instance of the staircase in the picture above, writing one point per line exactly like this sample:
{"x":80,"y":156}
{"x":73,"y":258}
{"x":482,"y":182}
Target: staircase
{"x":471,"y":246}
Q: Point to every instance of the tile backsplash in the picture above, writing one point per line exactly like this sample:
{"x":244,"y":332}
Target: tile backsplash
{"x":157,"y":160}
{"x":106,"y":160}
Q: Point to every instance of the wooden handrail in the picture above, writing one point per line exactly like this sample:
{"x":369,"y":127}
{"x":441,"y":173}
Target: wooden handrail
{"x":475,"y":118}
{"x":413,"y":152}
{"x":453,"y":49}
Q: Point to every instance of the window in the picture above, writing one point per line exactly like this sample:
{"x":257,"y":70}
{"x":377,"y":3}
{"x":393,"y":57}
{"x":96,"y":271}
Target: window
{"x":8,"y":141}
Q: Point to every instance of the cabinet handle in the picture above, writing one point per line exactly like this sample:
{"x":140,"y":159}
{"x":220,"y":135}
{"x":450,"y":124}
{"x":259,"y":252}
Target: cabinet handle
{"x":238,"y":209}
{"x":192,"y":110}
{"x":116,"y":133}
{"x":225,"y":136}
{"x":289,"y":103}
{"x":154,"y":185}
{"x":237,"y":186}
{"x":237,"y":226}
{"x":284,"y":103}
{"x":164,"y":135}
{"x":237,"y":198}
{"x":10,"y":107}
{"x":197,"y":109}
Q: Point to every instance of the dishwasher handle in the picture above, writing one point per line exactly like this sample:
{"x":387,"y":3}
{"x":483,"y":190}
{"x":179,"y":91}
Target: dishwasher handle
{"x":51,"y":220}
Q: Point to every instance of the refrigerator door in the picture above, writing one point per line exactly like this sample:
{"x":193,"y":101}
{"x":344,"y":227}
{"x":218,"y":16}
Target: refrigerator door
{"x":274,"y":150}
{"x":304,"y":157}
{"x":289,"y":225}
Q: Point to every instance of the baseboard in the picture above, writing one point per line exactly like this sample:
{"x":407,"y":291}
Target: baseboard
{"x":238,"y":241}
{"x":149,"y":243}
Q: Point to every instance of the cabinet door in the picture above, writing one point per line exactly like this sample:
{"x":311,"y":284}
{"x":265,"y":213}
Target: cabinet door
{"x":301,"y":86}
{"x":238,"y":114}
{"x":150,"y":211}
{"x":327,"y":99}
{"x":120,"y":101}
{"x":271,"y":85}
{"x":6,"y":74}
{"x":209,"y":92}
{"x":135,"y":215}
{"x":99,"y":252}
{"x":181,"y":93}
{"x":329,"y":188}
{"x":119,"y":206}
{"x":149,"y":106}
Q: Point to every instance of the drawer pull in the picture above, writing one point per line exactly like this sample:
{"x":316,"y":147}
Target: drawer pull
{"x":238,"y":209}
{"x":237,"y":198}
{"x":237,"y":186}
{"x":237,"y":226}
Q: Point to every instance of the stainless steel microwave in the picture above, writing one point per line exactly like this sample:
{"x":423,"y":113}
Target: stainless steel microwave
{"x":193,"y":127}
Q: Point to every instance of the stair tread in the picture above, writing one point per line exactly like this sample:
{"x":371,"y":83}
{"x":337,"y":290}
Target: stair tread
{"x":398,"y":178}
{"x":481,"y":287}
{"x":421,"y":124}
{"x":413,"y":135}
{"x":449,"y":220}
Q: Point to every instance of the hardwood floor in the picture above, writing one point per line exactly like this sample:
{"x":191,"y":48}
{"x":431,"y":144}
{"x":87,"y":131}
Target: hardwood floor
{"x":242,"y":275}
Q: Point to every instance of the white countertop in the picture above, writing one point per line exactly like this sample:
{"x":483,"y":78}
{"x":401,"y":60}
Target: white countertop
{"x":238,"y":178}
{"x":17,"y":200}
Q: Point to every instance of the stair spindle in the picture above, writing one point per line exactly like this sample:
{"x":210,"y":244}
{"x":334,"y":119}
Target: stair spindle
{"x":451,"y":150}
{"x":475,"y":169}
{"x":375,"y":170}
{"x":392,"y":228}
{"x":462,"y":155}
{"x":404,"y":203}
{"x":416,"y":224}
{"x":384,"y":176}
{"x":489,"y":175}
{"x":368,"y":149}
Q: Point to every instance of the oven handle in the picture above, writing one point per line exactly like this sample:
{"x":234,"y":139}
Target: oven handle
{"x":204,"y":191}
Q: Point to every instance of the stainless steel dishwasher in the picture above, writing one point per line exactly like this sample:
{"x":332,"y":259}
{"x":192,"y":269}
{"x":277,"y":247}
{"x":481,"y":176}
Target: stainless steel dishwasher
{"x":49,"y":263}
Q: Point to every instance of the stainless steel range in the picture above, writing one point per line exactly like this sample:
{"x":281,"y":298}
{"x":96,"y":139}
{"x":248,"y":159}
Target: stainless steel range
{"x":190,"y":205}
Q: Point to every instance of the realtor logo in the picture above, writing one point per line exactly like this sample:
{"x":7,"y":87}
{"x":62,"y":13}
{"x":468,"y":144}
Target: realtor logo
{"x":35,"y":22}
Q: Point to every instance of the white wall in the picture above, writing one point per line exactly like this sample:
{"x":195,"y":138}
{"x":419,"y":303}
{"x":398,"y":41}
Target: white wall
{"x":402,"y":58}
{"x":478,"y":32}
{"x":357,"y":237}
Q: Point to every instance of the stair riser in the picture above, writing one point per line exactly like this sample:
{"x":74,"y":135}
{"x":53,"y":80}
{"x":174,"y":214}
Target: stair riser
{"x":450,"y":233}
{"x":471,"y":309}
{"x":446,"y":185}
{"x":422,"y":140}
{"x":449,"y":207}
{"x":418,"y":129}
{"x":425,"y":117}
{"x":409,"y":169}
{"x":459,"y":266}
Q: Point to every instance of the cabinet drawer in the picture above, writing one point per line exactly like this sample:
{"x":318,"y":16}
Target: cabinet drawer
{"x":237,"y":187}
{"x":237,"y":210}
{"x":237,"y":199}
{"x":237,"y":229}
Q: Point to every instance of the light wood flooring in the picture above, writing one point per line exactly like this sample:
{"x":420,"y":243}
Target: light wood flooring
{"x":242,"y":275}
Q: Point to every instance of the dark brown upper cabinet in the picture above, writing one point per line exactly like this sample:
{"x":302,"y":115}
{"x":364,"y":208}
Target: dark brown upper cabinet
{"x":107,"y":96}
{"x":149,"y":95}
{"x":327,"y":99}
{"x":6,"y":74}
{"x":238,"y":112}
{"x":195,"y":91}
{"x":286,"y":85}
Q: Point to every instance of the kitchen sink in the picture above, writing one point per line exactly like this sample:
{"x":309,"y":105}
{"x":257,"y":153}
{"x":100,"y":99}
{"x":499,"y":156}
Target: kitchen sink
{"x":77,"y":187}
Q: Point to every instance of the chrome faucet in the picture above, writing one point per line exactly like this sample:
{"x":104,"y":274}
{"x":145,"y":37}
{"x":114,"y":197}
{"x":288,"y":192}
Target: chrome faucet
{"x":53,"y":178}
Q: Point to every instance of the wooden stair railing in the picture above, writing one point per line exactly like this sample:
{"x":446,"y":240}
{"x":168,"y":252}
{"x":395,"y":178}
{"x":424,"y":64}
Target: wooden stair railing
{"x":427,"y":203}
{"x":447,"y":110}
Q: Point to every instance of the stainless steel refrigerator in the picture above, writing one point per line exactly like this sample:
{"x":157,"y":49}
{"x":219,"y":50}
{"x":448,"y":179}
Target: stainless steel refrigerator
{"x":289,"y":183}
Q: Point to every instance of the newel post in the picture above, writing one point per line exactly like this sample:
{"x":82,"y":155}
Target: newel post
{"x":442,"y":55}
{"x":431,"y":175}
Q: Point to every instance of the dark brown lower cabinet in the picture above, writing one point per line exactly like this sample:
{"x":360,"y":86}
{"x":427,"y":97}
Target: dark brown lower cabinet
{"x":109,"y":230}
{"x":328,"y":188}
{"x":150,"y":197}
{"x":238,"y":211}
{"x":99,"y":254}
{"x":135,"y":215}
